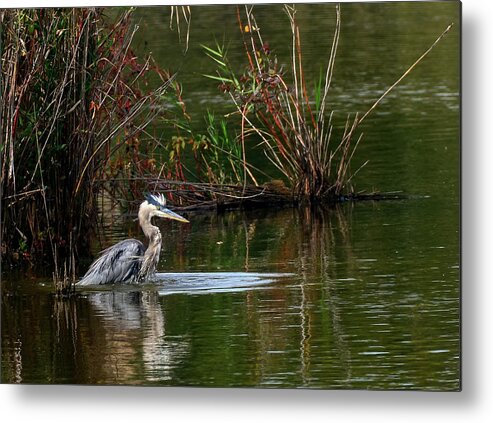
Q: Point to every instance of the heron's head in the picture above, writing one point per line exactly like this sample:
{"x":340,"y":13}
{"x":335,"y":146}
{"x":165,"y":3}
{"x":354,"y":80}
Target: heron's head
{"x":155,"y":205}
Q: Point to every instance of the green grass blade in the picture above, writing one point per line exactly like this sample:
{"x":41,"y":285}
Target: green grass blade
{"x":219,"y":78}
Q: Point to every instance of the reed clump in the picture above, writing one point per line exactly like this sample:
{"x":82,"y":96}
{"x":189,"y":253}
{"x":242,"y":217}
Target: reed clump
{"x":71,"y":97}
{"x":278,"y":108}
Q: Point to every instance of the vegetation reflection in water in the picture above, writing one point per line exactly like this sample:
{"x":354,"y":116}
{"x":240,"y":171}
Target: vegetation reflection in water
{"x":348,"y":312}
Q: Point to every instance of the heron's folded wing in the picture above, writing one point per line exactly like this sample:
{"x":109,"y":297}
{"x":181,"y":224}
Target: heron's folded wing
{"x":117,"y":264}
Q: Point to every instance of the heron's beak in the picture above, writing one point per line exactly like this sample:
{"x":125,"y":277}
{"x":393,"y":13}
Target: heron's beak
{"x":168,"y":214}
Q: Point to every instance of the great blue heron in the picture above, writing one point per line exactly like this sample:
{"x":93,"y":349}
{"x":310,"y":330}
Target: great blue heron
{"x":126,"y":261}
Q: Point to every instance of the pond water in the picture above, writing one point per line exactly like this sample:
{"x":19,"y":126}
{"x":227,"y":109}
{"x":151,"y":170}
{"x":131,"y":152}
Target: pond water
{"x":360,"y":296}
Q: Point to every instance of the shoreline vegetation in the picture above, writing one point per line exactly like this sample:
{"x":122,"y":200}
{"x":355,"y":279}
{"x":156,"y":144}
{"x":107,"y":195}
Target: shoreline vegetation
{"x":77,"y":113}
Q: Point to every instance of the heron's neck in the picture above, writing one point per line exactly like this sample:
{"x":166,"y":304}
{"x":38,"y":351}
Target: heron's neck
{"x":151,"y":255}
{"x":150,"y":231}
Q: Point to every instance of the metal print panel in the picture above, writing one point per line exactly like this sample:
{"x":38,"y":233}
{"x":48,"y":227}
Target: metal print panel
{"x":270,"y":196}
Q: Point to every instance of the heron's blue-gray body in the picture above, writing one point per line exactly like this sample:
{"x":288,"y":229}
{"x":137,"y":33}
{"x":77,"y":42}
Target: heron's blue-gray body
{"x":119,"y":263}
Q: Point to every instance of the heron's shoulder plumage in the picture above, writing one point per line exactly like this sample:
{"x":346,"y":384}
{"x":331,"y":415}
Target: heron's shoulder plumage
{"x":119,"y":263}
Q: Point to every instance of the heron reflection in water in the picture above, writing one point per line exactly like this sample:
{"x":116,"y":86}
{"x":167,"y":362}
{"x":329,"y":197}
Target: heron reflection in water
{"x":128,"y":261}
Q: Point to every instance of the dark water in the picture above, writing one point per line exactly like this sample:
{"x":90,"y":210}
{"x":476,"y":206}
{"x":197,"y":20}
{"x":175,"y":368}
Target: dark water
{"x":361,"y":296}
